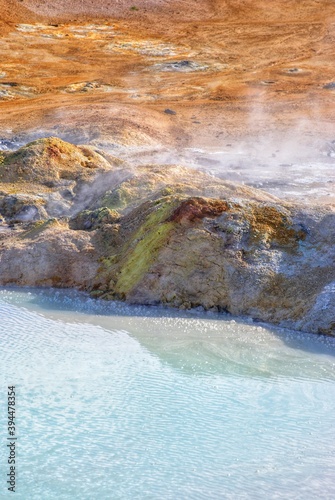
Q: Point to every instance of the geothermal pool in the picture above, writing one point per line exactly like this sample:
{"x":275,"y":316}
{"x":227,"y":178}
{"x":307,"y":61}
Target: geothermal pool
{"x":121,"y":402}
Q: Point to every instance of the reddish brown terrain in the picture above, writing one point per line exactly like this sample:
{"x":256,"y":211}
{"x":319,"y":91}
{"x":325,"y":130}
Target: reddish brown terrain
{"x":229,"y":69}
{"x":146,"y":91}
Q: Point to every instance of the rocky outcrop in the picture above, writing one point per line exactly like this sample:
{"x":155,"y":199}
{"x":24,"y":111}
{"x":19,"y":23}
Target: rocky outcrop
{"x":258,"y":259}
{"x":174,"y":236}
{"x":22,"y":207}
{"x":48,"y":161}
{"x":49,"y":254}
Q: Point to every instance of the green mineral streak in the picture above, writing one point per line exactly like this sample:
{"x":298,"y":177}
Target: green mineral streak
{"x":22,"y":153}
{"x":96,"y":294}
{"x":116,"y":199}
{"x":140,"y":252}
{"x":95,"y":218}
{"x":141,"y":258}
{"x":38,"y":228}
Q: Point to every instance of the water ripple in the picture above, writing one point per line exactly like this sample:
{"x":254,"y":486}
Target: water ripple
{"x":119,"y":403}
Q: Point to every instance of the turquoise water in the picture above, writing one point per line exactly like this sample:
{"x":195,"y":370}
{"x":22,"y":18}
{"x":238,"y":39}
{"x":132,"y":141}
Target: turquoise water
{"x":119,"y":402}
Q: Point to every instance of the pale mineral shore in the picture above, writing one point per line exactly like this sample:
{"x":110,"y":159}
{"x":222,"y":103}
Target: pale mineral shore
{"x":73,"y":216}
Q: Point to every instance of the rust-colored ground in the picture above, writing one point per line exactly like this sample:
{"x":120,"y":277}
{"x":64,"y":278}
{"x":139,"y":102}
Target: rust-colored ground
{"x":185,"y":73}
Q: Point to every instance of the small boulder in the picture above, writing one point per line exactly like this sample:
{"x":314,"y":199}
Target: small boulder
{"x":22,"y":208}
{"x":88,"y":220}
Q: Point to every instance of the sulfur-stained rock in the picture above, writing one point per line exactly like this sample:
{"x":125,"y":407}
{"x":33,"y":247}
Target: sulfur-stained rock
{"x":49,"y":178}
{"x":92,"y":219}
{"x":245,"y":258}
{"x":50,"y":160}
{"x":165,"y":234}
{"x":22,"y":208}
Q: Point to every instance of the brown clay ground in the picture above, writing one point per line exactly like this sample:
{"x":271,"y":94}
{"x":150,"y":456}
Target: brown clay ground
{"x":231,"y":71}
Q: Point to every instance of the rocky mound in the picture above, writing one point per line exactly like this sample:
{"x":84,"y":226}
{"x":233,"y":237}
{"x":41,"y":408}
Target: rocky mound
{"x":174,"y":236}
{"x":46,"y":161}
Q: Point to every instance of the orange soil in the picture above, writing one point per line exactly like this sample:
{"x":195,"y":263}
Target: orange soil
{"x":100,"y":69}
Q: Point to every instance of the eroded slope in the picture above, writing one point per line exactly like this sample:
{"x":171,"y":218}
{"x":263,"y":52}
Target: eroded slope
{"x":167,"y":235}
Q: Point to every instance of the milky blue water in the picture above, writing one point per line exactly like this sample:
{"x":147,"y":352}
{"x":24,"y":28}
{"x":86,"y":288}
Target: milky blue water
{"x":119,"y":402}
